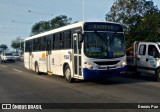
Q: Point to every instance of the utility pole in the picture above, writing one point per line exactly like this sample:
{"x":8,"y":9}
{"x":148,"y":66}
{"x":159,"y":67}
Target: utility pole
{"x":83,"y":10}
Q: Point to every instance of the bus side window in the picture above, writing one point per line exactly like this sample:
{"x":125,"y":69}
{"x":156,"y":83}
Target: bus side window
{"x":36,"y":44}
{"x":53,"y":44}
{"x":57,"y":41}
{"x":30,"y":46}
{"x":42,"y":42}
{"x":67,"y":39}
{"x":26,"y":46}
{"x":33,"y":44}
{"x":61,"y":41}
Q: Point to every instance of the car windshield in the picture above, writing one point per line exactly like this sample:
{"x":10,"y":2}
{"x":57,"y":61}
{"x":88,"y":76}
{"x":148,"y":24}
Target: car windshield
{"x":104,"y":45}
{"x":15,"y":54}
{"x":8,"y":54}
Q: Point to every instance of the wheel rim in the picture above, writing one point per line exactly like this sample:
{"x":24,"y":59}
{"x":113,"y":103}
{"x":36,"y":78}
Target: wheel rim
{"x":68,"y":74}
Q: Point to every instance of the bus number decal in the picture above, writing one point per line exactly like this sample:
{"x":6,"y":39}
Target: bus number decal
{"x":66,"y":56}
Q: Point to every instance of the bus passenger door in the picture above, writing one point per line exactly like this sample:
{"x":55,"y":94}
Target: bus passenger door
{"x":77,"y":56}
{"x":49,"y":55}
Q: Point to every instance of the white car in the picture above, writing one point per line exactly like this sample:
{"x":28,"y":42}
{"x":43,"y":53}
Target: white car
{"x":7,"y":57}
{"x":17,"y":56}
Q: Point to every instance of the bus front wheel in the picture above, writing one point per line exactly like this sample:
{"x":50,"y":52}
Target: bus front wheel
{"x":67,"y":73}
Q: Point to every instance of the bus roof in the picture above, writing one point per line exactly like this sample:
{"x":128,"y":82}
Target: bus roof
{"x":74,"y":25}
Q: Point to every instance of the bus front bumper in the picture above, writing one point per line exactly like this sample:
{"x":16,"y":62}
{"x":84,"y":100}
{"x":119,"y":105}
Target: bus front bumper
{"x":99,"y":74}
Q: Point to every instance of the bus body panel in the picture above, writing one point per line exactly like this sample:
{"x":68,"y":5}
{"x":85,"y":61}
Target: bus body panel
{"x":40,"y":58}
{"x":26,"y":60}
{"x":59,"y":58}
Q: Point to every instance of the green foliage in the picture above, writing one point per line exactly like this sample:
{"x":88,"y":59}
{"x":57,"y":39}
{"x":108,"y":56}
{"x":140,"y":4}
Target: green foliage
{"x":56,"y":22}
{"x":3,"y":47}
{"x":40,"y":27}
{"x":60,"y":21}
{"x":17,"y":44}
{"x":140,"y":17}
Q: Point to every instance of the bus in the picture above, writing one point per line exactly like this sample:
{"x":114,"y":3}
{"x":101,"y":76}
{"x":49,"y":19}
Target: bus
{"x":83,"y":50}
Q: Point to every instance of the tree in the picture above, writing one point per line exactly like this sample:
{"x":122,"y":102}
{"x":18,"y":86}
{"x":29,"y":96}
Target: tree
{"x":56,"y":22}
{"x":17,"y":44}
{"x":3,"y":47}
{"x":40,"y":27}
{"x":60,"y":21}
{"x":140,"y":17}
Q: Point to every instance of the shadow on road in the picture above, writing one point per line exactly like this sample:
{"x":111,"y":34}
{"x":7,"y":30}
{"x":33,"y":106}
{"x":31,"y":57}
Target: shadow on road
{"x":122,"y":79}
{"x":127,"y":79}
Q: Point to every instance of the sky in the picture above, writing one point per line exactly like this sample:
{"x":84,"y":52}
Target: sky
{"x":18,"y":16}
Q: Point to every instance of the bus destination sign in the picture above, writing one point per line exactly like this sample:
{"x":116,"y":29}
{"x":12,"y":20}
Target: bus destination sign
{"x":102,"y":27}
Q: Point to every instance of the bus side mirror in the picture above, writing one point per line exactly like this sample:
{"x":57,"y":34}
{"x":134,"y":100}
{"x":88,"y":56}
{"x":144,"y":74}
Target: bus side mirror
{"x":80,"y":37}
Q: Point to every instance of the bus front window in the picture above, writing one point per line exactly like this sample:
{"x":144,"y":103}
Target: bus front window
{"x":104,"y":45}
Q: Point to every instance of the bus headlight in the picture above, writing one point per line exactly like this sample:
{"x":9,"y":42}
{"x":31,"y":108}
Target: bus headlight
{"x":88,"y":65}
{"x":124,"y":63}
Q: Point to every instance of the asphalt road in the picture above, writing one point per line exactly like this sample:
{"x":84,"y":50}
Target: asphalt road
{"x":19,"y":85}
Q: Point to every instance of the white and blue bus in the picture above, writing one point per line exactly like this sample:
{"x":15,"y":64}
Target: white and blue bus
{"x":83,"y":50}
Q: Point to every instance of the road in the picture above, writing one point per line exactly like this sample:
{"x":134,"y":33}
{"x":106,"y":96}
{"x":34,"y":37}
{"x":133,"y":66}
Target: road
{"x":19,"y":85}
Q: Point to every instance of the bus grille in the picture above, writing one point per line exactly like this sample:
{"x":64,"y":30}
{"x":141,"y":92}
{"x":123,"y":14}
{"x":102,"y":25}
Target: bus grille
{"x":107,"y":72}
{"x":107,"y":62}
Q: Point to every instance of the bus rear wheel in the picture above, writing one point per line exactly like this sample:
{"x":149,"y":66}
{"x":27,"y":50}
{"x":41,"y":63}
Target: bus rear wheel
{"x":37,"y":69}
{"x":67,"y":74}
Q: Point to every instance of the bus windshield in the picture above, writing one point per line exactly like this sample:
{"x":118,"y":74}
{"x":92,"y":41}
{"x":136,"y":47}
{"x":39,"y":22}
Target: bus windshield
{"x":104,"y":45}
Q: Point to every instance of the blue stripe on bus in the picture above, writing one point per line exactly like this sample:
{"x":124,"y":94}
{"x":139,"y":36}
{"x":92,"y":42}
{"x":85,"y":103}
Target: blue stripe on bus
{"x":99,"y":74}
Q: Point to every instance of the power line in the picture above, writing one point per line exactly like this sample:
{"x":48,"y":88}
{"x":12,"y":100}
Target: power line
{"x":40,"y":13}
{"x":21,"y":22}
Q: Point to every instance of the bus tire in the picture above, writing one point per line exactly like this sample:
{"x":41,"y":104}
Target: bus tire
{"x":37,"y":68}
{"x":157,"y":76}
{"x":67,"y":74}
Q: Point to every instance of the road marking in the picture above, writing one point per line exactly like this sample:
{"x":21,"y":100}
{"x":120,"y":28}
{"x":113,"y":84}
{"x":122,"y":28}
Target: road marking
{"x":3,"y":65}
{"x":17,"y":70}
